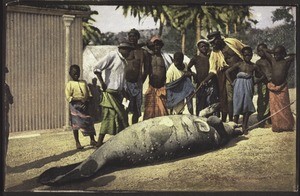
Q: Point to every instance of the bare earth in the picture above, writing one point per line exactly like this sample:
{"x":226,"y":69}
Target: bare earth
{"x":260,"y":161}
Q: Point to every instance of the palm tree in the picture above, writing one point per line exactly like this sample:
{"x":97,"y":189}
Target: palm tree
{"x":158,"y":13}
{"x":235,"y":17}
{"x":199,"y":17}
{"x":90,"y":33}
{"x":181,"y":18}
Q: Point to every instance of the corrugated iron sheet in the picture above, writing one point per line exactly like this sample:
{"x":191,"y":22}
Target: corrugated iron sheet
{"x":35,"y":57}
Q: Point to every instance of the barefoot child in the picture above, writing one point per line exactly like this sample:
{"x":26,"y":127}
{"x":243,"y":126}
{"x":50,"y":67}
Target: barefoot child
{"x":243,"y":87}
{"x":77,"y":93}
{"x":279,"y":94}
{"x":263,"y":106}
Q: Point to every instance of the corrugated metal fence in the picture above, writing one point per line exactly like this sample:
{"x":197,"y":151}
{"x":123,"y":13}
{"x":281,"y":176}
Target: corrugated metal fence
{"x":35,"y":57}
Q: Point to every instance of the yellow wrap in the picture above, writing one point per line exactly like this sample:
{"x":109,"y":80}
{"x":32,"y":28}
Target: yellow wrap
{"x":217,"y":60}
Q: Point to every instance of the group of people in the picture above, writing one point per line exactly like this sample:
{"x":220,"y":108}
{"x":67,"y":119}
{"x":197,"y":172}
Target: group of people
{"x":224,"y":73}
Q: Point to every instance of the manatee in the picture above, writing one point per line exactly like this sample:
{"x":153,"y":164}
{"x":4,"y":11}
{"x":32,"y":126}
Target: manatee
{"x":153,"y":140}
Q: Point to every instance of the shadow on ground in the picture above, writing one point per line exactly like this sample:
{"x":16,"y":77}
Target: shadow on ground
{"x":41,"y":162}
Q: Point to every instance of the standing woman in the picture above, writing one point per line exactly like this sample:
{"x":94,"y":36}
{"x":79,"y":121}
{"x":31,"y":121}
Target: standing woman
{"x":77,"y":94}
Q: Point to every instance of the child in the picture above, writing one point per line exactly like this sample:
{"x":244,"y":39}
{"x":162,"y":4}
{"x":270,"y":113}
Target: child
{"x":178,"y":87}
{"x":263,"y":106}
{"x":243,"y":87}
{"x":77,"y":94}
{"x":279,"y":94}
{"x":207,"y":94}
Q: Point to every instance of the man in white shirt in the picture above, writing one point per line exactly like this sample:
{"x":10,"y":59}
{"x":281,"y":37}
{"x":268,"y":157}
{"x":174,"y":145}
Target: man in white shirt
{"x":113,"y":113}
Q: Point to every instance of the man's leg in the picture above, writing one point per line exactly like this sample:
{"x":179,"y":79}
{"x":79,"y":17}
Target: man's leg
{"x":245,"y":122}
{"x":100,"y":140}
{"x":76,"y":137}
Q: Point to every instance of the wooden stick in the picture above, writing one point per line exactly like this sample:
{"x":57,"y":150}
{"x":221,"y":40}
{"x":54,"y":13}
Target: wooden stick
{"x":269,"y":116}
{"x":190,"y":98}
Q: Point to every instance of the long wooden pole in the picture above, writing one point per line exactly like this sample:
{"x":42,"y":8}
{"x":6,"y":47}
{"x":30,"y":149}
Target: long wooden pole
{"x":251,"y":127}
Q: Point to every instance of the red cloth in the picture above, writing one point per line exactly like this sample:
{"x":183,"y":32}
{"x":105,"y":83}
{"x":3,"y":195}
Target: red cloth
{"x":279,"y":98}
{"x":155,"y":102}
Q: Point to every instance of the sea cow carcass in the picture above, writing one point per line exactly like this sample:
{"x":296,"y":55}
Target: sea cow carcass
{"x":153,"y":140}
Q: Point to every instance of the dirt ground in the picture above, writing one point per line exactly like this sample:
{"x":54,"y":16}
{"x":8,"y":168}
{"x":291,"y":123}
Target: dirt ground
{"x":260,"y":161}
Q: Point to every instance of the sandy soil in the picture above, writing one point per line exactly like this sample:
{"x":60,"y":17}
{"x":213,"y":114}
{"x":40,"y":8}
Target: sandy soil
{"x":260,"y":161}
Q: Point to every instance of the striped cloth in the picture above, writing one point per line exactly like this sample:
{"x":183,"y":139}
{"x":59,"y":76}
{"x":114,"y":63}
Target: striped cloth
{"x":155,"y":102}
{"x":279,"y":98}
{"x":80,"y":119}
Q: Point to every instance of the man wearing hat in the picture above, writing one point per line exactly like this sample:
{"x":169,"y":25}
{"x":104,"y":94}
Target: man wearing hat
{"x":113,"y":113}
{"x":226,"y":52}
{"x":207,"y":94}
{"x":155,"y":96}
{"x":135,"y":74}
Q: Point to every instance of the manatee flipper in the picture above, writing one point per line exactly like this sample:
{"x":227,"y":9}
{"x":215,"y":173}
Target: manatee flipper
{"x":60,"y":175}
{"x":47,"y":176}
{"x":208,"y":111}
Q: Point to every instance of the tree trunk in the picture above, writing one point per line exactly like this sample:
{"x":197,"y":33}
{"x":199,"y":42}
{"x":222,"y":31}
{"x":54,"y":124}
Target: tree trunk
{"x":183,"y":35}
{"x":235,"y":29}
{"x":198,"y":28}
{"x":227,"y":29}
{"x":161,"y":27}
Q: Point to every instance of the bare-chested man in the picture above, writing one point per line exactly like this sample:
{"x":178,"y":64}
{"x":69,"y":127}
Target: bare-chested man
{"x":263,"y":105}
{"x":226,"y":52}
{"x":135,"y":74}
{"x":279,"y":94}
{"x":207,"y":94}
{"x":155,"y":96}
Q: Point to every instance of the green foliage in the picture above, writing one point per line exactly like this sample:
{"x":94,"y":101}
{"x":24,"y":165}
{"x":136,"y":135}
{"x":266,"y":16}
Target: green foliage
{"x":283,"y":14}
{"x":90,"y":33}
{"x":280,"y":35}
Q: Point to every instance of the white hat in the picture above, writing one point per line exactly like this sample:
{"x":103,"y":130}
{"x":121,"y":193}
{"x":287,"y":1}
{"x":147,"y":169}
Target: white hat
{"x":202,"y":41}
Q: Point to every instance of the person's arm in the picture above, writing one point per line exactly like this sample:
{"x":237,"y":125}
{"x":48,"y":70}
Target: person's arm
{"x":208,"y":77}
{"x":258,"y":72}
{"x":102,"y":83}
{"x":147,"y":64}
{"x":229,"y":70}
{"x":69,"y":92}
{"x":10,"y":98}
{"x":290,"y":58}
{"x":268,"y":55}
{"x":189,"y":70}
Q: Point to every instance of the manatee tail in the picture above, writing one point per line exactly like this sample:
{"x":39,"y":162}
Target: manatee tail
{"x":48,"y":177}
{"x":60,"y":175}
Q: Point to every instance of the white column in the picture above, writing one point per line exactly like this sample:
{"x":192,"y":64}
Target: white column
{"x":67,"y":22}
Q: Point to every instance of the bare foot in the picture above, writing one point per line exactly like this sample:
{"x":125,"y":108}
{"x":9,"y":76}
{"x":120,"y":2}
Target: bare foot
{"x":78,"y":146}
{"x":93,"y":143}
{"x":98,"y":144}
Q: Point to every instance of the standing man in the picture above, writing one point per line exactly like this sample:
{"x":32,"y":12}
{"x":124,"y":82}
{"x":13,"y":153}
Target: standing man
{"x":278,"y":89}
{"x":113,"y":113}
{"x":226,"y":52}
{"x":135,"y":75}
{"x":207,"y":94}
{"x":155,"y":96}
{"x":263,"y":105}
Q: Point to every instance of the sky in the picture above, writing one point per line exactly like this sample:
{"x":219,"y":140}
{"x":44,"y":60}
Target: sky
{"x":111,"y":20}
